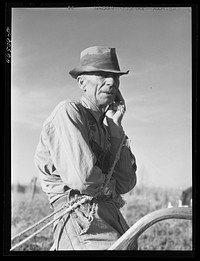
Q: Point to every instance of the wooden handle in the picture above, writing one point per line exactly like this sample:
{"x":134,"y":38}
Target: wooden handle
{"x":147,"y":221}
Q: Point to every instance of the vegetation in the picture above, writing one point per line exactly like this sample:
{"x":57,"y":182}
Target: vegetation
{"x":165,"y":235}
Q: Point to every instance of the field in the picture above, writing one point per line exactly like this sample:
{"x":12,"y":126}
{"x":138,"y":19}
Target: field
{"x":166,"y":235}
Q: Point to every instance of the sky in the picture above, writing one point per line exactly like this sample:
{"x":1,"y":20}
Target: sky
{"x":155,"y":45}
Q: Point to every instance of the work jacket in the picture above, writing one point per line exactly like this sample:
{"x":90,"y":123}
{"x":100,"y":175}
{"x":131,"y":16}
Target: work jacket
{"x":75,"y":149}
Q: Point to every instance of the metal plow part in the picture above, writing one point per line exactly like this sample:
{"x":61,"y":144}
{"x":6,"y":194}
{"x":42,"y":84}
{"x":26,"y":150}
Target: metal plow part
{"x":147,"y":221}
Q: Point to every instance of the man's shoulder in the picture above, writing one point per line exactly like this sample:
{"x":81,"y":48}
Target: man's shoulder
{"x":65,"y":107}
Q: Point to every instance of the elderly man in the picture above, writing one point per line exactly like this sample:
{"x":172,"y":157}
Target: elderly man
{"x":76,"y":156}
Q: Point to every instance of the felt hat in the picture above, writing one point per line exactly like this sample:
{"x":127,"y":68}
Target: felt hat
{"x":97,"y":59}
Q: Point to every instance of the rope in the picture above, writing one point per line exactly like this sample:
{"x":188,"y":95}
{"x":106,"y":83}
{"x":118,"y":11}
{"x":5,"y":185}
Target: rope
{"x":110,"y":172}
{"x":38,"y":231}
{"x":68,"y":209}
{"x":36,"y":224}
{"x":117,"y":156}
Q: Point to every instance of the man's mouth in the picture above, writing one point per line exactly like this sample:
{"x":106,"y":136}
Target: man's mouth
{"x":109,"y":93}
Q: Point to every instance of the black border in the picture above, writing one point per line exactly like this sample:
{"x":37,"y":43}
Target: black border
{"x":7,"y":15}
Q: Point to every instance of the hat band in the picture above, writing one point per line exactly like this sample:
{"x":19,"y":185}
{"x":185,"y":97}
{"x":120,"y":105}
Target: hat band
{"x":103,"y":66}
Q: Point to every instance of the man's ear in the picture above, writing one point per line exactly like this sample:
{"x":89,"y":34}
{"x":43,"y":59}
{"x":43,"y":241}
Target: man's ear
{"x":81,"y":82}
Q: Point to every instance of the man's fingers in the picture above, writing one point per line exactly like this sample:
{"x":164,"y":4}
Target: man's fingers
{"x":122,"y":108}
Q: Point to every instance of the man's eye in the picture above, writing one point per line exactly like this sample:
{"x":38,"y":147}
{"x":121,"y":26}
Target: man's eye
{"x":99,"y":74}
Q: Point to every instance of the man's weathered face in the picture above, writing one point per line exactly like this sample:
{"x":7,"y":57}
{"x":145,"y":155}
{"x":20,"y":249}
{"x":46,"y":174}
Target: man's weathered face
{"x":100,"y":87}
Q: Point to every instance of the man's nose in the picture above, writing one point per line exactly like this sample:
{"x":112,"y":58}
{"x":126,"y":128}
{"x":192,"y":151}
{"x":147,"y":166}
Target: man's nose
{"x":110,"y":81}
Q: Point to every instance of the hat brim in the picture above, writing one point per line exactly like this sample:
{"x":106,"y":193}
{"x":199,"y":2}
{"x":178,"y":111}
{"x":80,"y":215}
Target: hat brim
{"x":81,"y":70}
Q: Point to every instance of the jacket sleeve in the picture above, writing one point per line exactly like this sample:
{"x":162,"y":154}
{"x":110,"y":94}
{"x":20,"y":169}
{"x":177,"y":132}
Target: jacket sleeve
{"x":67,"y":140}
{"x":125,"y":170}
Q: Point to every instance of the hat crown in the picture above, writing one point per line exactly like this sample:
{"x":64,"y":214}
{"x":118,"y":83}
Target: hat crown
{"x":96,"y":50}
{"x":101,"y":57}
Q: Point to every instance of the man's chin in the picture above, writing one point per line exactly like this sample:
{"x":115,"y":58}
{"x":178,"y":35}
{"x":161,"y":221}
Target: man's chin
{"x":107,"y":103}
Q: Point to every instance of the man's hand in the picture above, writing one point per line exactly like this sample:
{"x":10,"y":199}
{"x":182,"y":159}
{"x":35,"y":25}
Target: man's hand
{"x":114,"y":117}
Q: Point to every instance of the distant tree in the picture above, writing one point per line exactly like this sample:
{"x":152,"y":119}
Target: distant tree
{"x":21,"y":188}
{"x":186,"y":196}
{"x":33,"y":187}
